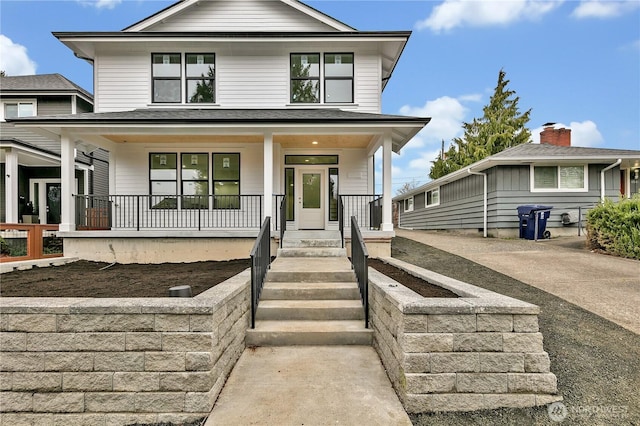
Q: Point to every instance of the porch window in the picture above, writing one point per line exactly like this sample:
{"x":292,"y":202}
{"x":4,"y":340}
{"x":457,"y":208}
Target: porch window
{"x":19,"y":109}
{"x":305,"y":78}
{"x":163,"y":177}
{"x":200,"y":72}
{"x":167,"y":76}
{"x":338,"y":77}
{"x":432,"y":198}
{"x":310,"y":160}
{"x":408,"y":204}
{"x":333,"y":194}
{"x":195,"y":181}
{"x":226,"y":180}
{"x":556,"y":178}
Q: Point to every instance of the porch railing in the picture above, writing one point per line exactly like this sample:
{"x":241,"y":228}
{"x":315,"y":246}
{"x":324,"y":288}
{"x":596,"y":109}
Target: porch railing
{"x":367,"y":208}
{"x":260,"y":261}
{"x":145,"y":212}
{"x":359,"y":258}
{"x":28,"y":242}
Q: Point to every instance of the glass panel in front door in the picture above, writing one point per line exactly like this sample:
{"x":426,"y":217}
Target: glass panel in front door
{"x":53,"y":202}
{"x":311,"y":194}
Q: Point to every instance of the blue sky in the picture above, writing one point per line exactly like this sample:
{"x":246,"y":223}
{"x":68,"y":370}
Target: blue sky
{"x":572,"y":62}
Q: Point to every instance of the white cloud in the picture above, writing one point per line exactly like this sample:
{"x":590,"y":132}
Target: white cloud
{"x":14,"y":59}
{"x":584,"y":133}
{"x":481,"y":13}
{"x":446,"y":114}
{"x":604,"y":9}
{"x":100,"y":4}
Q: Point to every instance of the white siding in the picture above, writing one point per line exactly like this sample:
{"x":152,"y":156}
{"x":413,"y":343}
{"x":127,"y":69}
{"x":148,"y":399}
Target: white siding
{"x":246,"y":77}
{"x":123,"y":81}
{"x":240,"y":15}
{"x":353,"y":172}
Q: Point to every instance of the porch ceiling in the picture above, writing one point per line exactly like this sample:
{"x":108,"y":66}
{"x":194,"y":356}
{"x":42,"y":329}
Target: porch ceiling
{"x":285,"y":140}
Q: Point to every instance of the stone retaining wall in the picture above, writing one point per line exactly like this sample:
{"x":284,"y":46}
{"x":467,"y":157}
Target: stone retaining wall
{"x":119,"y":361}
{"x":480,"y":351}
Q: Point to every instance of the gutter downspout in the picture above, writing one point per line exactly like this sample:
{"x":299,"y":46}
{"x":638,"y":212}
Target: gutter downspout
{"x":485,"y":196}
{"x":617,"y":163}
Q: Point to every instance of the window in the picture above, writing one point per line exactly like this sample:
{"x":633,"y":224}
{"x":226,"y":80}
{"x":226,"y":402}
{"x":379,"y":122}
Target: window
{"x":432,"y":198}
{"x":195,"y":181}
{"x":226,"y":181}
{"x":289,"y":192}
{"x":305,"y":78}
{"x":19,"y":109}
{"x":338,"y":77}
{"x":200,"y":74}
{"x":167,"y":77}
{"x":559,"y":178}
{"x":333,"y":194}
{"x":307,"y":71}
{"x":310,"y":160}
{"x":163,"y":177}
{"x":408,"y":204}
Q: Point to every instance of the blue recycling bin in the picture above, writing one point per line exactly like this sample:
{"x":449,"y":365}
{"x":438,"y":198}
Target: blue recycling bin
{"x":533,"y":221}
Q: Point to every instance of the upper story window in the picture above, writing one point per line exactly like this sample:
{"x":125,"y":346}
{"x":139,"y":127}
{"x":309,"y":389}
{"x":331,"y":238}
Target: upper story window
{"x":19,"y":109}
{"x":309,"y":69}
{"x":168,"y":77}
{"x":200,"y":77}
{"x":432,"y":198}
{"x":559,"y":178}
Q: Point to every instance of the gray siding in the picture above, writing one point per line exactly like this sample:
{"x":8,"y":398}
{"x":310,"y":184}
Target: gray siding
{"x":461,"y":202}
{"x":52,"y":105}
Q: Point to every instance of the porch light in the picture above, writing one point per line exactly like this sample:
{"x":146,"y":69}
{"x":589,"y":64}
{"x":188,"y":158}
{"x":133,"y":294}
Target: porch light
{"x":314,"y":143}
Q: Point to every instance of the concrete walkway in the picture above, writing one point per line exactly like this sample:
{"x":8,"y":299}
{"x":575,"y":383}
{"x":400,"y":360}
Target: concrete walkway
{"x":308,"y":385}
{"x":605,"y":285}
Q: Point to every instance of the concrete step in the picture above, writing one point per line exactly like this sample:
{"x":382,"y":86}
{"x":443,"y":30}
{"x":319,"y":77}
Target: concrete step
{"x":331,"y":310}
{"x":296,"y":333}
{"x":310,"y":291}
{"x":312,"y":252}
{"x":311,"y":269}
{"x":298,"y":239}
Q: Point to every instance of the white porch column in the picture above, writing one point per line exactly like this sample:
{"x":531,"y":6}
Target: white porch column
{"x":268,"y":175}
{"x":67,"y":179}
{"x":371,"y":172}
{"x":387,"y":222}
{"x":11,"y":185}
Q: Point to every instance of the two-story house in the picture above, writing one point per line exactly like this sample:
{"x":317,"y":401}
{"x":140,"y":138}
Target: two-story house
{"x":213,"y":112}
{"x":30,"y":160}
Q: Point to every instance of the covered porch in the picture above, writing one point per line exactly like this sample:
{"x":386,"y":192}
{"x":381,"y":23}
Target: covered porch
{"x":200,"y":179}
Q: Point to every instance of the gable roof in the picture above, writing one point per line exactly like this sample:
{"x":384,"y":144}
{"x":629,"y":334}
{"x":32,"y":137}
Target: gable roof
{"x":531,"y":153}
{"x":183,"y":6}
{"x":43,"y":83}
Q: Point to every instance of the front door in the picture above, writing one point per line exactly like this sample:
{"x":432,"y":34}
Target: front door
{"x":311,"y":202}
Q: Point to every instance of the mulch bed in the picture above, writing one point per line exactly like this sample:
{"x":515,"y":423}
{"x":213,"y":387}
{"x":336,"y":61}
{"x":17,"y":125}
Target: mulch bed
{"x":96,"y":279}
{"x":423,"y":288}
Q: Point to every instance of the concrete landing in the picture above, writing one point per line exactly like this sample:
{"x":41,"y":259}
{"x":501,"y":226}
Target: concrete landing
{"x":308,"y":385}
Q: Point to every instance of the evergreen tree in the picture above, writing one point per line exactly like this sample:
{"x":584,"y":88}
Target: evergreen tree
{"x":501,"y":126}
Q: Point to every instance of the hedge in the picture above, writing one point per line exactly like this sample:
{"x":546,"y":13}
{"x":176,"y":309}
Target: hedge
{"x":615,"y":227}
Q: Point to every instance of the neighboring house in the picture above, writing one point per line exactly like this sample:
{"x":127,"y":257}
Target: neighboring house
{"x":485,"y":195}
{"x":30,"y":160}
{"x":215,"y":111}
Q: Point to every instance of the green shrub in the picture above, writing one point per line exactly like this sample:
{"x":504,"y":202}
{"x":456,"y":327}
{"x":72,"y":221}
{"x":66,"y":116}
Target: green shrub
{"x":615,"y":228}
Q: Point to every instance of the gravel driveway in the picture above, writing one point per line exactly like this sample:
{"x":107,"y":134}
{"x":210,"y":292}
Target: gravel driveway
{"x":597,"y":362}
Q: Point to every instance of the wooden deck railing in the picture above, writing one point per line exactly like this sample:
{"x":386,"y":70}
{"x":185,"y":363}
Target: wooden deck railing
{"x":28,"y":242}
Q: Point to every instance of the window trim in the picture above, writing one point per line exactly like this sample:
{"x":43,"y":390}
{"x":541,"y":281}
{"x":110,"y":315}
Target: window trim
{"x":18,"y":101}
{"x":176,"y":180}
{"x":214,"y":180}
{"x":426,"y":197}
{"x":405,"y":202}
{"x":322,"y":79}
{"x":325,"y":79}
{"x":179,"y":78}
{"x":585,"y":183}
{"x":187,"y":79}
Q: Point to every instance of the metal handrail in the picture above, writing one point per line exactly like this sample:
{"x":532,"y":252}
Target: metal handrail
{"x":260,"y":261}
{"x":359,"y":258}
{"x":283,"y":218}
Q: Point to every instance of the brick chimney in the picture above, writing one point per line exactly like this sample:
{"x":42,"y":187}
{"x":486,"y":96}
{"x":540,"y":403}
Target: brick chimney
{"x":552,"y":136}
